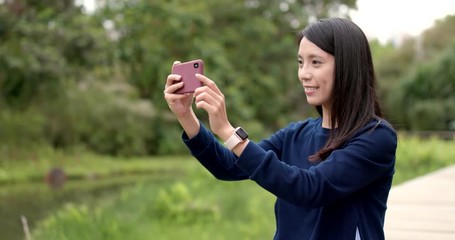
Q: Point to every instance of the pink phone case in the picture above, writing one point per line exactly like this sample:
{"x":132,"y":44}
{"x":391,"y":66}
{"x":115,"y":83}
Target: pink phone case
{"x":188,"y":70}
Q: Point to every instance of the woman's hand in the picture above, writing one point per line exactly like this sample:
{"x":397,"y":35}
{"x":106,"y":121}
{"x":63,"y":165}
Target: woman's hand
{"x":207,"y":97}
{"x":180,"y":104}
{"x":210,"y":98}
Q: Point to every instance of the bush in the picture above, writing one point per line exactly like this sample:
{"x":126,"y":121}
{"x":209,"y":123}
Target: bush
{"x":416,"y":156}
{"x":21,"y":134}
{"x":424,"y":99}
{"x":199,"y":208}
{"x":106,"y":123}
{"x":90,"y":117}
{"x":177,"y":205}
{"x":94,"y":223}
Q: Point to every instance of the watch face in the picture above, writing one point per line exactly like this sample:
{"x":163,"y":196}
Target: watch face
{"x":241,"y":133}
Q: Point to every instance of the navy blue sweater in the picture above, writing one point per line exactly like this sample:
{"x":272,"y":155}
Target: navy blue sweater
{"x":329,"y":200}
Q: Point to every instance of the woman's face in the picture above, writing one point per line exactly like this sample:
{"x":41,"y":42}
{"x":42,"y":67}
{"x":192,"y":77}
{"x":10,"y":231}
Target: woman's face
{"x":316,"y":73}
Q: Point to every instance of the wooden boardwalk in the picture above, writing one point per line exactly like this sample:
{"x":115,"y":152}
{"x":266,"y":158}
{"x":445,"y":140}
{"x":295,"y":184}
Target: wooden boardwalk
{"x":423,"y":208}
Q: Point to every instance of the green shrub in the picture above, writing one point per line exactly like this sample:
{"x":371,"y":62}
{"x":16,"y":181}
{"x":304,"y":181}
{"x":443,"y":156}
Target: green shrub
{"x":197,"y":206}
{"x":93,"y":223}
{"x":178,"y":205}
{"x":21,"y":128}
{"x":416,"y":156}
{"x":21,"y":135}
{"x":424,"y":99}
{"x":102,"y":122}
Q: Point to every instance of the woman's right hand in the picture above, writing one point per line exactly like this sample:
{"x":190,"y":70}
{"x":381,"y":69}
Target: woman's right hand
{"x":180,"y":104}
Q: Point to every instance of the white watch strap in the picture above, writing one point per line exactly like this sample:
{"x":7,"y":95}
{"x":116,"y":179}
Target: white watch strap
{"x":233,"y":141}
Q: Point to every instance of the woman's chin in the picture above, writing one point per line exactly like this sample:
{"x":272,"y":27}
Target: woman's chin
{"x":312,"y":102}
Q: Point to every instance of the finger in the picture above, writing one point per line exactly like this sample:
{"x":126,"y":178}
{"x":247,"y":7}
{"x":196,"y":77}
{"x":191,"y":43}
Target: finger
{"x":206,"y":102}
{"x":212,"y":89}
{"x":174,"y":87}
{"x":208,"y":94}
{"x":172,"y":79}
{"x":207,"y":107}
{"x":209,"y":103}
{"x":172,"y":98}
{"x":174,"y":63}
{"x":209,"y":83}
{"x":206,"y":97}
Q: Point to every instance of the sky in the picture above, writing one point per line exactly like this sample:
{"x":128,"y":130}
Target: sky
{"x":392,"y":19}
{"x":388,"y":19}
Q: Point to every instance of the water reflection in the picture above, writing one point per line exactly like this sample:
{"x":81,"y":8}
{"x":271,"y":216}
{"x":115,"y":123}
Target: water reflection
{"x":35,"y":201}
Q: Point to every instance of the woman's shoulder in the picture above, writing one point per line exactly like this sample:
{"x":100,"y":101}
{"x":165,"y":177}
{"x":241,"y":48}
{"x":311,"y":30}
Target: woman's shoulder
{"x":295,"y":128}
{"x":379,"y":123}
{"x":379,"y":129}
{"x":307,"y":123}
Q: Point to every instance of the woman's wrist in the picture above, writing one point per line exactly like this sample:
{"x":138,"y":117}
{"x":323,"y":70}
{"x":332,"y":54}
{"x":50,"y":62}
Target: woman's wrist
{"x":190,"y":124}
{"x":226,"y":133}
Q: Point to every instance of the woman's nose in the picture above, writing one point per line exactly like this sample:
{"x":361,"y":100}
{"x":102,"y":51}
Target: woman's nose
{"x":304,"y":75}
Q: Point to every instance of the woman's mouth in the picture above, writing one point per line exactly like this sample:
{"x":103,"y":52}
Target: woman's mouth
{"x":310,"y":89}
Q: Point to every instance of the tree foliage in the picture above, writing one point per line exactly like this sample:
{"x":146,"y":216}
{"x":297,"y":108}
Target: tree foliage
{"x":97,"y":79}
{"x":436,"y":39}
{"x":42,"y":46}
{"x":248,"y":48}
{"x":428,"y":96}
{"x":416,"y":80}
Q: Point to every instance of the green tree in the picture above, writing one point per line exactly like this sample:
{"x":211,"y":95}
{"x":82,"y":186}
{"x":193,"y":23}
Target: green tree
{"x":406,"y":71}
{"x":424,"y":100}
{"x":392,"y":63}
{"x":74,"y":70}
{"x":43,"y":44}
{"x":248,"y":47}
{"x":50,"y":58}
{"x":436,"y":39}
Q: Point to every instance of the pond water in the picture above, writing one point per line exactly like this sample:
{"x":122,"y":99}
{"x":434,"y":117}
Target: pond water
{"x":35,"y":201}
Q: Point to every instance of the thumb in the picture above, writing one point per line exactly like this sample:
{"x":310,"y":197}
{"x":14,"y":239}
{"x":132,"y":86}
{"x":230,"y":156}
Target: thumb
{"x":175,"y":62}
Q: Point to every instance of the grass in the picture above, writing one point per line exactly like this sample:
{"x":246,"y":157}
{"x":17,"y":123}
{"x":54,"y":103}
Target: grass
{"x":194,"y":207}
{"x":187,"y":203}
{"x":86,"y":166}
{"x":416,"y":157}
{"x":91,"y":179}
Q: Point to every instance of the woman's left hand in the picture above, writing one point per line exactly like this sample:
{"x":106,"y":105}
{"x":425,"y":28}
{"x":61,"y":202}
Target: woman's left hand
{"x":211,"y":99}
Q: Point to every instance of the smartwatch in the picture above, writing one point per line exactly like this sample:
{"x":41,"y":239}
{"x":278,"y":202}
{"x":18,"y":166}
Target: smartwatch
{"x":239,"y":136}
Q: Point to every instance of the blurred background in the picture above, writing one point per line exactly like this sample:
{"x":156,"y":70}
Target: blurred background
{"x":89,"y":149}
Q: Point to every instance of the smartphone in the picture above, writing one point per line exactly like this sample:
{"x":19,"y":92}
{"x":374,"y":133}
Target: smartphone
{"x":188,"y":71}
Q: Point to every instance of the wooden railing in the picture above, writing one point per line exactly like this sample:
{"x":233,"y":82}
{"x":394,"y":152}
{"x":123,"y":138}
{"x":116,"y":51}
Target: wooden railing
{"x":445,"y":135}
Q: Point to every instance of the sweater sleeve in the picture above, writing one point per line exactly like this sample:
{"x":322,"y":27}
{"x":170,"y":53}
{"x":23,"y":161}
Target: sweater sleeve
{"x":362,"y":160}
{"x":217,"y":159}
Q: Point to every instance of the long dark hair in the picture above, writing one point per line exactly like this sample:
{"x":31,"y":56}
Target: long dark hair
{"x":354,"y":99}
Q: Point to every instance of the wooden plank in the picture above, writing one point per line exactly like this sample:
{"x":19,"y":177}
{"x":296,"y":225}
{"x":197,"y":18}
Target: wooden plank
{"x":418,"y":235}
{"x":423,"y":208}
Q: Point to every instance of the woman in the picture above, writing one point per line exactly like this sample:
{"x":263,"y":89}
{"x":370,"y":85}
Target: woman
{"x":331,"y":175}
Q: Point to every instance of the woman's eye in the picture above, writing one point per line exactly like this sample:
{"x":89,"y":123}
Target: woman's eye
{"x":316,"y":62}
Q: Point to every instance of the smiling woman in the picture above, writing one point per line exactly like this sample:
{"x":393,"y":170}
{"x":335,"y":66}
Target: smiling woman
{"x":305,"y":164}
{"x":316,"y":70}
